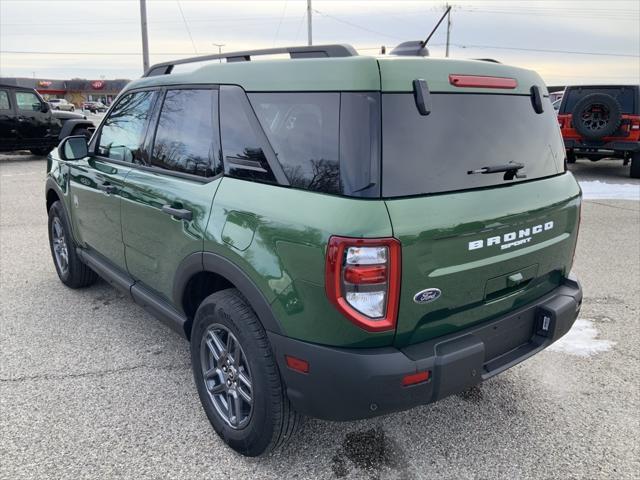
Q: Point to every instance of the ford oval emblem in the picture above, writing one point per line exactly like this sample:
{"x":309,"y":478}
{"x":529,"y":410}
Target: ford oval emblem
{"x":427,"y":295}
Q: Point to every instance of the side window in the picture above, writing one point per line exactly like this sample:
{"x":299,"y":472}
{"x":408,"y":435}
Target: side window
{"x":187,"y":138}
{"x":242,"y":145}
{"x":28,"y":101}
{"x":4,"y":100}
{"x":303,"y":129}
{"x":123,"y":131}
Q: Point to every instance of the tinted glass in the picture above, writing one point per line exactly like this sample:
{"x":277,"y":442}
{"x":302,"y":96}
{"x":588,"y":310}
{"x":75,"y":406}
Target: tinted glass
{"x":624,"y":95}
{"x":360,"y":144}
{"x":303,"y":129}
{"x":28,"y":101}
{"x":187,"y":138}
{"x":123,"y":132}
{"x":463,"y":132}
{"x":243,"y":144}
{"x":4,"y":100}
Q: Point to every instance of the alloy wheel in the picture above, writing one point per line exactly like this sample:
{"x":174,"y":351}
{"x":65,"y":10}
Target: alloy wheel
{"x":226,"y":375}
{"x":60,"y":249}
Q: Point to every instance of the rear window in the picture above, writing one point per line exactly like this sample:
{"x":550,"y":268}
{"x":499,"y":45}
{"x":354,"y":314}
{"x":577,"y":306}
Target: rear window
{"x":465,"y":132}
{"x":626,"y":97}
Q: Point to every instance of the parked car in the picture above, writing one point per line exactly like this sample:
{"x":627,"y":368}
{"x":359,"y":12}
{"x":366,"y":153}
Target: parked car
{"x":94,"y":107}
{"x":555,"y":96}
{"x":312,"y":229}
{"x":61,"y":104}
{"x":602,"y":121}
{"x":28,"y":123}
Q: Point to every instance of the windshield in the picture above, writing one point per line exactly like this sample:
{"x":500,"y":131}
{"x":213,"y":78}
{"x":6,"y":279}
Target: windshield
{"x":465,"y":133}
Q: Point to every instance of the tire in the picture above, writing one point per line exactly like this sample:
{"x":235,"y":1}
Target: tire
{"x":73,"y":109}
{"x":73,"y":273}
{"x":41,"y":152}
{"x":634,"y":172}
{"x":571,"y":156}
{"x":269,"y":421}
{"x":596,"y":116}
{"x":81,"y":131}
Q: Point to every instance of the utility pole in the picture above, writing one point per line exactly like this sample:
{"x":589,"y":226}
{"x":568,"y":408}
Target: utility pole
{"x":446,"y":53}
{"x":219,"y":45}
{"x":145,"y":40}
{"x":309,"y":27}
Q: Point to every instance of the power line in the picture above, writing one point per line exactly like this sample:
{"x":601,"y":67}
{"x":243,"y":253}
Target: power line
{"x":355,"y":25}
{"x":284,"y":9}
{"x":186,"y":25}
{"x":543,"y":50}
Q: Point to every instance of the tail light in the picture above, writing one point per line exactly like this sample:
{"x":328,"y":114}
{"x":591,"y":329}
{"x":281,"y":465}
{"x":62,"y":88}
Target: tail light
{"x":362,"y":280}
{"x":635,"y":123}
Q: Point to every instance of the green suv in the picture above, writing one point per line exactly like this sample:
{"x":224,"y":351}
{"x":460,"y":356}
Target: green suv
{"x":338,"y":236}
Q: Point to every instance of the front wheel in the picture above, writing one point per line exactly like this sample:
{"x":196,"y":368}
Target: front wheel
{"x":635,"y":165}
{"x":237,"y":376}
{"x":71,"y":271}
{"x":73,"y":109}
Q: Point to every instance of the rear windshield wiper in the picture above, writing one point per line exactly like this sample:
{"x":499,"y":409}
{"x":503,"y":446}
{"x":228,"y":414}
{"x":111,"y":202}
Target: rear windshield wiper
{"x":510,"y":170}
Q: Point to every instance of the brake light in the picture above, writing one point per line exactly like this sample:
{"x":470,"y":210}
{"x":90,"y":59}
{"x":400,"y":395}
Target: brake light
{"x":362,"y":280}
{"x":478,"y":81}
{"x":635,"y":123}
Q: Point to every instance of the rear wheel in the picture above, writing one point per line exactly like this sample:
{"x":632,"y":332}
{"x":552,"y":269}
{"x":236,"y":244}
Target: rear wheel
{"x":635,"y":165}
{"x":571,"y":156}
{"x":41,"y":152}
{"x":71,"y":271}
{"x":237,"y":376}
{"x":73,"y":109}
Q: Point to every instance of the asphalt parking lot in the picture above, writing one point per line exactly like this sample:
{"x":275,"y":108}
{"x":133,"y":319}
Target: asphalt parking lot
{"x":91,"y":386}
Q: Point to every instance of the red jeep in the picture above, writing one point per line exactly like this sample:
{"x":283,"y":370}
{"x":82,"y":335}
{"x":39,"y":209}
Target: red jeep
{"x":602,"y":122}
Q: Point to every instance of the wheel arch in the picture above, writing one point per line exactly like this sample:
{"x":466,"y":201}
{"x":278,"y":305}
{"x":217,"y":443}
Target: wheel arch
{"x":203,"y":273}
{"x":69,"y":125}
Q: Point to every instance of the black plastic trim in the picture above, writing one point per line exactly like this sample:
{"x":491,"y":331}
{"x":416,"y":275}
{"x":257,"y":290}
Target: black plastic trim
{"x":214,"y":263}
{"x":350,"y":384}
{"x":159,"y":308}
{"x":103,"y":267}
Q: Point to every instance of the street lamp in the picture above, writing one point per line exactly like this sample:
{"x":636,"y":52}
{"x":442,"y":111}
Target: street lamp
{"x":219,"y":45}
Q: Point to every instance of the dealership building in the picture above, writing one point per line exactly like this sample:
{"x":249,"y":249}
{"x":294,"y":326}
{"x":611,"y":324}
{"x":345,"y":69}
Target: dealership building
{"x":75,"y":91}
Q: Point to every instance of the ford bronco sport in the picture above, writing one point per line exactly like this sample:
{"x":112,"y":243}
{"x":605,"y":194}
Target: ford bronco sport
{"x":338,"y":236}
{"x":602,"y":121}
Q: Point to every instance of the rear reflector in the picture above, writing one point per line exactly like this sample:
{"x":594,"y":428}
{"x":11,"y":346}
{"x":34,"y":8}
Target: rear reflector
{"x":297,"y":364}
{"x":414,"y":378}
{"x":477,"y":81}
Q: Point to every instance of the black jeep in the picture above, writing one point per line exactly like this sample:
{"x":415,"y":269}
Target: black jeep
{"x":28,"y":123}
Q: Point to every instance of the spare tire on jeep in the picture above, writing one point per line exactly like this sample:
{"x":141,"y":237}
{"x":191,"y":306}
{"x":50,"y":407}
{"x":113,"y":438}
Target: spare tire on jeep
{"x":597,"y":115}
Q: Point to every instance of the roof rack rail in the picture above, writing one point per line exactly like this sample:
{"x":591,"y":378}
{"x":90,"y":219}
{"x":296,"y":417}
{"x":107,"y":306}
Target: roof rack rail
{"x":312,"y":51}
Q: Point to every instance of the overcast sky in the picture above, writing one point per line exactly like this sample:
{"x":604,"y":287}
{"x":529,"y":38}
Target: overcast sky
{"x":101,"y":39}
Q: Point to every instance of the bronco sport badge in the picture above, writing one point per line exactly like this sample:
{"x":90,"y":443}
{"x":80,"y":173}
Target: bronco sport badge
{"x":512,"y":239}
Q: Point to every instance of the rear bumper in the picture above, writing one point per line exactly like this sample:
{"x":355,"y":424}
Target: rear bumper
{"x":585,"y":145}
{"x":349,"y":384}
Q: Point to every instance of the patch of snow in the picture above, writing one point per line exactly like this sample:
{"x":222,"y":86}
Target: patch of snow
{"x":597,"y":190}
{"x":581,"y":340}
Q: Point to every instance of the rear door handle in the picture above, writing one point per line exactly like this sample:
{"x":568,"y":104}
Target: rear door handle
{"x":181,"y":213}
{"x":107,"y":188}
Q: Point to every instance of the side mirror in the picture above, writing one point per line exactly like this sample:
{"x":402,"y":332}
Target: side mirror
{"x":73,"y":148}
{"x":44,"y":107}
